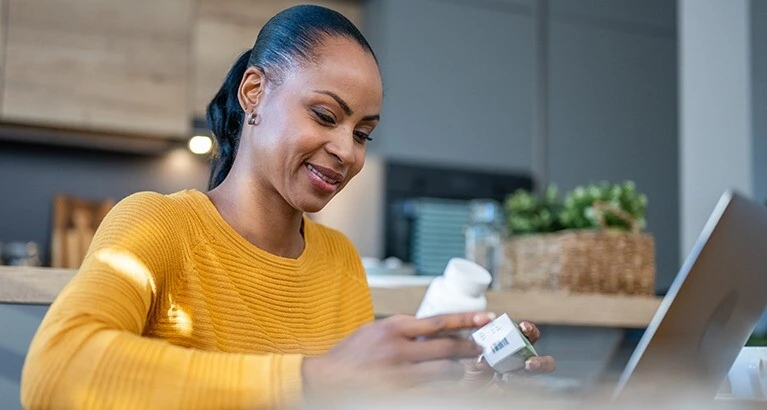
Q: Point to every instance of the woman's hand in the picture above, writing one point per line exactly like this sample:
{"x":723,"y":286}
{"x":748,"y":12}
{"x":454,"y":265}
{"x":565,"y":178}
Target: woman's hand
{"x":479,"y":374}
{"x":397,"y":352}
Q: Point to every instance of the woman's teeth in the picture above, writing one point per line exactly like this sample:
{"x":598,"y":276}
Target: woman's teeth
{"x":321,"y":175}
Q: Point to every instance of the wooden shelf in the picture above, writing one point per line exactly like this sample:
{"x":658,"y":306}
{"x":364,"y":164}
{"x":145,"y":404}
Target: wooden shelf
{"x":41,"y":285}
{"x":553,"y":308}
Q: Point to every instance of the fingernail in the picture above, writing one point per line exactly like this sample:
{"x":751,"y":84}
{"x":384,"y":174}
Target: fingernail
{"x":481,"y":319}
{"x":531,"y":365}
{"x":479,"y":359}
{"x":525,"y":327}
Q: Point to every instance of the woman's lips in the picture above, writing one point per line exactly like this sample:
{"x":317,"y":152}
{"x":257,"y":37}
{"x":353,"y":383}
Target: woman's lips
{"x":327,"y":174}
{"x":320,"y":181}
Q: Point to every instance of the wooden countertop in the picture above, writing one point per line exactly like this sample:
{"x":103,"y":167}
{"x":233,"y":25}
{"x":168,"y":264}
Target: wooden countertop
{"x":553,"y":308}
{"x":32,"y":285}
{"x":41,"y":285}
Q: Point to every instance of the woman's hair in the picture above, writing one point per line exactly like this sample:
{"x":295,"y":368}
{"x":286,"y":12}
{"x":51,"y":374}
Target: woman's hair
{"x":288,"y":39}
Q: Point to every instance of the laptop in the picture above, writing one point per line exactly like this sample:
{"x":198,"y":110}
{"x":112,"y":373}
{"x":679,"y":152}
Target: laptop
{"x":708,"y":313}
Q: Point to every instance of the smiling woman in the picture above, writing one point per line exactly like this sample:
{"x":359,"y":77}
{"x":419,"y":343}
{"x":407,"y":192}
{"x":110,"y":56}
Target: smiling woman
{"x":232,"y":298}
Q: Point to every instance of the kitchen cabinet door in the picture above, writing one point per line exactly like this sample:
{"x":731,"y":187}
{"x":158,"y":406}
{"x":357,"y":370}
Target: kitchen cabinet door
{"x":224,"y":29}
{"x":100,"y":65}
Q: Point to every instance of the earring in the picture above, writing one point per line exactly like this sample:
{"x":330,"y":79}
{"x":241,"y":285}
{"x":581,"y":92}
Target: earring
{"x":252,"y":118}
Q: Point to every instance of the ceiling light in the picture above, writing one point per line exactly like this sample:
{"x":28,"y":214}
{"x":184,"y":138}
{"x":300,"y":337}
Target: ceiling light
{"x":200,"y":144}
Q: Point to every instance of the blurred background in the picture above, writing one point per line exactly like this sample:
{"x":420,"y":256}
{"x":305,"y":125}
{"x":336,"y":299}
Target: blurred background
{"x":101,"y":98}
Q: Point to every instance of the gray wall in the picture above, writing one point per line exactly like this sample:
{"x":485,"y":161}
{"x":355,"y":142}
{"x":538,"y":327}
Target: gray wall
{"x":460,"y":81}
{"x":759,"y":95}
{"x":31,"y":175}
{"x":613,"y":106}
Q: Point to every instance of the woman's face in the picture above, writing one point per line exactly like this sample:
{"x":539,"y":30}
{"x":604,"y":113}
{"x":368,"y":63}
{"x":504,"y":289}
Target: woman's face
{"x":314,"y":126}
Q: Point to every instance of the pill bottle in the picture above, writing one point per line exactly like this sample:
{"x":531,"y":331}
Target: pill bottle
{"x":461,"y":288}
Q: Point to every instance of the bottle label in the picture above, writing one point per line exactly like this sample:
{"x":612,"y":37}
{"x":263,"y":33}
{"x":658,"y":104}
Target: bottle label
{"x":502,"y":343}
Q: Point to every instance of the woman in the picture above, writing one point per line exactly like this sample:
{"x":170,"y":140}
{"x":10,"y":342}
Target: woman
{"x":232,"y":298}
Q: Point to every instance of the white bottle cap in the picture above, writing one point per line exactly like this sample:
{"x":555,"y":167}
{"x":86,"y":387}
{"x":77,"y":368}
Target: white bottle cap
{"x":466,"y":277}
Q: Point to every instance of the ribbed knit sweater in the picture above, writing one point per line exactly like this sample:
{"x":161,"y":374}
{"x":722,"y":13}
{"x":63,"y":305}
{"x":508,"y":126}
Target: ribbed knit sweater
{"x":173,"y":309}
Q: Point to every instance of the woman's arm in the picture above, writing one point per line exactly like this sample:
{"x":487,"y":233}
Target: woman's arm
{"x":89,"y":352}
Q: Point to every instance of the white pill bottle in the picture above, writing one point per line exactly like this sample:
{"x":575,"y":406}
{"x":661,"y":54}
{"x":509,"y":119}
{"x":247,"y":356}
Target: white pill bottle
{"x":461,"y":288}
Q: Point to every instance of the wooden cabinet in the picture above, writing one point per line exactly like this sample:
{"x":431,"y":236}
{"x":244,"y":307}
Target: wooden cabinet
{"x":225,"y":28}
{"x":143,"y":67}
{"x":104,"y":65}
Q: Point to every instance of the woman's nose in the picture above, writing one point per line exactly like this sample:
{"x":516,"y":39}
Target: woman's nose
{"x":341,"y":146}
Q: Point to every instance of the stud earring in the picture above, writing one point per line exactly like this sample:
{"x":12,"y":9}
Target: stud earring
{"x":252,"y":118}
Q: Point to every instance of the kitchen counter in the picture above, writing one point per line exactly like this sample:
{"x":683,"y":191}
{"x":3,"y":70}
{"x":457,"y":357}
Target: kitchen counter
{"x":24,"y":285}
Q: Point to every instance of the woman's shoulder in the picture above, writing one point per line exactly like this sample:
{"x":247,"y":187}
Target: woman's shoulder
{"x":145,"y":224}
{"x":152,"y":197}
{"x":163,"y":212}
{"x":154,"y":204}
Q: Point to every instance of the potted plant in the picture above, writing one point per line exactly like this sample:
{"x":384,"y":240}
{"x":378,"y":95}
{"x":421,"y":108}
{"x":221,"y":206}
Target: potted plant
{"x":590,"y":241}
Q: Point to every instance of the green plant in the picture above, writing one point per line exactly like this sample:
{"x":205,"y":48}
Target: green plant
{"x":578,"y":210}
{"x":529,"y":213}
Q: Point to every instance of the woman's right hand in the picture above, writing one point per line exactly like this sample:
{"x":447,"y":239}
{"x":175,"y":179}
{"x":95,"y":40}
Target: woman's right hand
{"x":397,"y":352}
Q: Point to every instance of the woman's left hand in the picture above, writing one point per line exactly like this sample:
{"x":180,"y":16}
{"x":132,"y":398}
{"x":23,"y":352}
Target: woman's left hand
{"x":479,"y":374}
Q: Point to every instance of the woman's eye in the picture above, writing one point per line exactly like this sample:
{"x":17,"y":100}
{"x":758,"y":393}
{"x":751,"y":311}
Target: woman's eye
{"x":328,"y":119}
{"x":362,"y":137}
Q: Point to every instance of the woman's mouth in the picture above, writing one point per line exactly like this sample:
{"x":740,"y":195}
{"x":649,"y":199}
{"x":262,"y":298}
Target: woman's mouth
{"x":324,"y":177}
{"x":322,"y":181}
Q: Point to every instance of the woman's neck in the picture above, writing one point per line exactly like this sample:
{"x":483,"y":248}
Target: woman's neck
{"x":260,"y":216}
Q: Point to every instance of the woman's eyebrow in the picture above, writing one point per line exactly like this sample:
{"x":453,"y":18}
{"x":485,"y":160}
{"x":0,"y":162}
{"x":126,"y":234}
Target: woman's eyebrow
{"x":345,"y":106}
{"x":339,"y":100}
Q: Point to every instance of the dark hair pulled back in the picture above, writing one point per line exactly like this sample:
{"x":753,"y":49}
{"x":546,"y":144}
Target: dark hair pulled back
{"x":287,"y":39}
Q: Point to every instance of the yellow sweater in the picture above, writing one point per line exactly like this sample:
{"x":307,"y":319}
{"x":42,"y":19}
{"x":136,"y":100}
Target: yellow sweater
{"x":173,"y":309}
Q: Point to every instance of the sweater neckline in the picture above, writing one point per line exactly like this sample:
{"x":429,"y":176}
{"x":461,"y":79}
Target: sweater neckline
{"x":229,"y":233}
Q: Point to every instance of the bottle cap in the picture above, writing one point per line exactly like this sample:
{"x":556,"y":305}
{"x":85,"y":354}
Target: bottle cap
{"x":467,"y":277}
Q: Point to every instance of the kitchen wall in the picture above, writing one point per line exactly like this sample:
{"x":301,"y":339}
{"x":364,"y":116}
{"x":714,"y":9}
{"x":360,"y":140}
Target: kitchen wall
{"x":458,"y":81}
{"x":460,"y":89}
{"x":31,"y":175}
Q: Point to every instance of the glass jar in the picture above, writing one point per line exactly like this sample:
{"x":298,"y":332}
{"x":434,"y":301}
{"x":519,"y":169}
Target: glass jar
{"x":484,"y":237}
{"x":20,"y":254}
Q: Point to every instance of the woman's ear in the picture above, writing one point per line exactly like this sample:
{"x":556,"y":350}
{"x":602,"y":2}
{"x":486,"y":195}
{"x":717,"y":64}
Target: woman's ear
{"x":251,"y":88}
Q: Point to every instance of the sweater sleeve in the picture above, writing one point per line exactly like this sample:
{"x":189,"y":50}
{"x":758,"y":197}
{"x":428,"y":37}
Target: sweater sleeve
{"x":89,"y":353}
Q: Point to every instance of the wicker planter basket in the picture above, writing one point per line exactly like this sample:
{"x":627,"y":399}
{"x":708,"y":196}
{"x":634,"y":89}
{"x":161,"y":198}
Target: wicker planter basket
{"x":602,"y":261}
